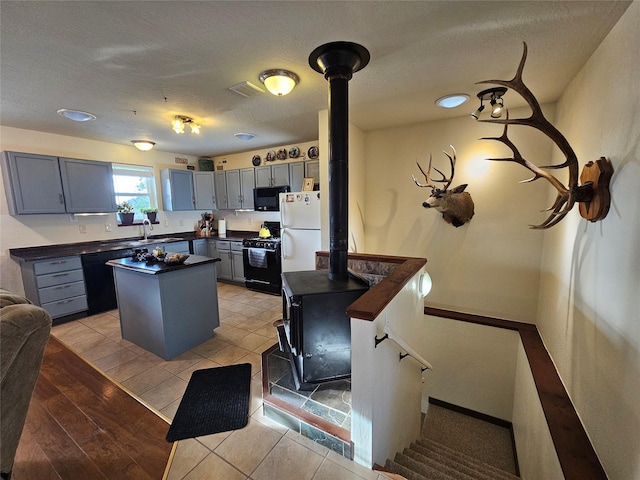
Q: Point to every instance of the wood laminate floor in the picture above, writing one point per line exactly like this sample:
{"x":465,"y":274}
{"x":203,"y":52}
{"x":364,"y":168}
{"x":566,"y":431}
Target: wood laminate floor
{"x":81,"y":425}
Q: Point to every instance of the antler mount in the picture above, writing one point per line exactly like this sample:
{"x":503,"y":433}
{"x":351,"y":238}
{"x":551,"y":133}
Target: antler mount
{"x":592,"y":194}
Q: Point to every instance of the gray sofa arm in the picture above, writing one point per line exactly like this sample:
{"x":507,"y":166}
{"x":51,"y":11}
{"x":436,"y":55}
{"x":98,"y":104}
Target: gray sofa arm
{"x":24,"y":332}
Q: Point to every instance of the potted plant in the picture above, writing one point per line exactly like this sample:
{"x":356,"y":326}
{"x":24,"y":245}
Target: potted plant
{"x":152,"y":214}
{"x":125,"y":212}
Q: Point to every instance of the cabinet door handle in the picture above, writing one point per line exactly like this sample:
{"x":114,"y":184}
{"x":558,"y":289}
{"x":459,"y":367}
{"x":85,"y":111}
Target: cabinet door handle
{"x":62,"y":302}
{"x":60,"y":262}
{"x":61,"y":198}
{"x":60,"y":287}
{"x":60,"y":275}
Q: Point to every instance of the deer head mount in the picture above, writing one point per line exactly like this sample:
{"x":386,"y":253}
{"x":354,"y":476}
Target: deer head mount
{"x":593,"y":195}
{"x":455,"y":205}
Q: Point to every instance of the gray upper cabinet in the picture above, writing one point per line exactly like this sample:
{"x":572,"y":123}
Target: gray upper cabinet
{"x":240,"y":185}
{"x":32,"y":183}
{"x":204,"y":190}
{"x":263,"y":176}
{"x":280,"y":174}
{"x":247,"y":184}
{"x":272,"y":175}
{"x":87,"y":185}
{"x":220,"y":181}
{"x":296,"y":176}
{"x":312,"y":169}
{"x":177,"y":189}
{"x":45,"y":184}
{"x":234,"y":193}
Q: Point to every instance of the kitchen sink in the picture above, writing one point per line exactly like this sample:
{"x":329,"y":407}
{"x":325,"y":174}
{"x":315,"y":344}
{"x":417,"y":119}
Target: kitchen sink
{"x":153,"y":241}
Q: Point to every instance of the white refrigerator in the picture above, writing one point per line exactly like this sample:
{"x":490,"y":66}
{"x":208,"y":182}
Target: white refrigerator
{"x":299,"y":230}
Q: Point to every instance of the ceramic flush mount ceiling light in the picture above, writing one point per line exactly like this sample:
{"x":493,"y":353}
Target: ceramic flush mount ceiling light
{"x":144,"y":145}
{"x":278,"y":81}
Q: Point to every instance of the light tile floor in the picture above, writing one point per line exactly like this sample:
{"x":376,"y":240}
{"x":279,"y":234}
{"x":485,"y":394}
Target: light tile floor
{"x":263,"y":450}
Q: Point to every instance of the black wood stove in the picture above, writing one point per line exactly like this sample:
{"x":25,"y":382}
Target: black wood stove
{"x":316,"y":330}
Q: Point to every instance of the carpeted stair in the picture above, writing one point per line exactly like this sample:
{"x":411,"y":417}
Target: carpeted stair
{"x":428,"y":460}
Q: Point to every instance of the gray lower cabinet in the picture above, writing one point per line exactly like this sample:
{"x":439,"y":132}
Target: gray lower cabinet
{"x":231,"y":267}
{"x":39,"y":184}
{"x":237,"y":265}
{"x":56,"y":284}
{"x":172,"y":247}
{"x":213,"y":249}
{"x":168,"y":313}
{"x":201,"y":247}
{"x":224,"y":268}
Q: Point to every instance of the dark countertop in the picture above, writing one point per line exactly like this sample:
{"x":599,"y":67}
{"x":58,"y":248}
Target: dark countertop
{"x":155,"y":268}
{"x":45,"y":252}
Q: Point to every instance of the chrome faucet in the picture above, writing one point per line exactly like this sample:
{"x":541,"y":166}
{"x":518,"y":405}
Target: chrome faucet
{"x":146,"y":222}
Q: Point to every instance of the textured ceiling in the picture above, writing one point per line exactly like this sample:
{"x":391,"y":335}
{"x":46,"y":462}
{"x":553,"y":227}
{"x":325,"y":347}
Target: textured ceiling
{"x":137,"y":64}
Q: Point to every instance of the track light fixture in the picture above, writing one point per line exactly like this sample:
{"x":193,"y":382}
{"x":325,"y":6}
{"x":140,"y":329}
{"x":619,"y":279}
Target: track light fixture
{"x":494,"y":96}
{"x":180,"y":121}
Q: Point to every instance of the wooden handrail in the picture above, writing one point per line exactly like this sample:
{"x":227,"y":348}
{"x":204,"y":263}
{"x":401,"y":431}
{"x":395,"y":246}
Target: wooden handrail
{"x":369,"y":305}
{"x":398,"y":340}
{"x":576,"y":455}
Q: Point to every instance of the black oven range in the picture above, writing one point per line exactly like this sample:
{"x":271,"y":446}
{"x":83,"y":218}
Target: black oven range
{"x":262,"y":262}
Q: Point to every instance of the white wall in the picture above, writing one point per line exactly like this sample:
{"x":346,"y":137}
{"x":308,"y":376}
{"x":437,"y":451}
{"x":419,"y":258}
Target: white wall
{"x":474,"y":366}
{"x":589,"y":301}
{"x":488,"y":266}
{"x":537,"y":457}
{"x":386,"y":392}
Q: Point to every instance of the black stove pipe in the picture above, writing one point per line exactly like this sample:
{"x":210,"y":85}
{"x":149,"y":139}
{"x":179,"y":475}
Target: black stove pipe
{"x":338,"y":61}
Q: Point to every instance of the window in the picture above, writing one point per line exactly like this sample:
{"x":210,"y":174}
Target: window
{"x":135,"y":184}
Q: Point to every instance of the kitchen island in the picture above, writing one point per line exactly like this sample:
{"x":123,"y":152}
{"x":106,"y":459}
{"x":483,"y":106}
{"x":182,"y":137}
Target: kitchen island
{"x":167,"y":309}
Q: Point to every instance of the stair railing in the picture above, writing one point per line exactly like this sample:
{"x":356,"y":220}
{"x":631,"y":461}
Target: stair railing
{"x":402,"y":343}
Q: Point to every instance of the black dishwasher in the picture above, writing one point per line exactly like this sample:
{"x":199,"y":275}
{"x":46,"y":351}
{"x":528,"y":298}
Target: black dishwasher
{"x":98,"y":279}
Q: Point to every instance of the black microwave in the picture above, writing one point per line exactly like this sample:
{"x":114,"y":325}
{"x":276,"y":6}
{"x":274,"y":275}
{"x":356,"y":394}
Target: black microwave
{"x":267,"y":199}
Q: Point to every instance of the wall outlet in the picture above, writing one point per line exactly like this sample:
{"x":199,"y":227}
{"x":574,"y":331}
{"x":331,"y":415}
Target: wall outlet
{"x":82,"y":228}
{"x":108,"y":227}
{"x":166,"y":223}
{"x":181,"y":223}
{"x":250,"y":220}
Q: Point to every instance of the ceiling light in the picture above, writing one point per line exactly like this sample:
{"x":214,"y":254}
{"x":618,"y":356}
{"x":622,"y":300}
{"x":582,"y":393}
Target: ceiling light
{"x":478,"y":111}
{"x":76,"y":115}
{"x":494,"y":96}
{"x":178,"y":123}
{"x":496,"y":108}
{"x":244,"y":136}
{"x":279,"y":82}
{"x":452,"y":101}
{"x":144,"y":145}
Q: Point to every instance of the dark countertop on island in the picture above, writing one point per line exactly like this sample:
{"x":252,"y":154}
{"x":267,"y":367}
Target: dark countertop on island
{"x":44,"y":252}
{"x":154,"y":268}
